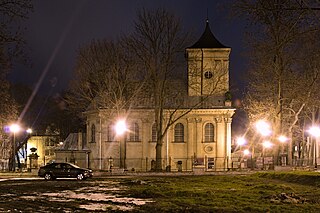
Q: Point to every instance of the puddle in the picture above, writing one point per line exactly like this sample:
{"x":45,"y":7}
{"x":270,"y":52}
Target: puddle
{"x":104,"y":197}
{"x":97,"y":197}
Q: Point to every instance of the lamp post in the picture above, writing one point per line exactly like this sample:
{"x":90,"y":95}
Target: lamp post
{"x":121,"y":128}
{"x":265,"y":145}
{"x":29,"y":132}
{"x":14,"y":128}
{"x":264,"y":130}
{"x":315,"y":131}
{"x":283,"y":139}
{"x":240,"y":142}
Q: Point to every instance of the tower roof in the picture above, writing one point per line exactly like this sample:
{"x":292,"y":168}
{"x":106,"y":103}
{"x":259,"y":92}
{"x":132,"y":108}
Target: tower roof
{"x":207,"y":40}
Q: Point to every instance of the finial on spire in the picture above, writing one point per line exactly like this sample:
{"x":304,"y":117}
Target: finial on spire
{"x":207,"y":16}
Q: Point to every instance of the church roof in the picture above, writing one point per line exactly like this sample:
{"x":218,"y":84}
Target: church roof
{"x":72,"y":141}
{"x":207,"y":40}
{"x":177,"y":91}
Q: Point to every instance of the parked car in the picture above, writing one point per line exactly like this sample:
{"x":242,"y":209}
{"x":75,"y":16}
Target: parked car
{"x":63,"y":170}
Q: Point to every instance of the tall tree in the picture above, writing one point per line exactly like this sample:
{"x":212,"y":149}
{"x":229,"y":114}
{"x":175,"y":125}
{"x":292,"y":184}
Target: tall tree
{"x":276,"y":75}
{"x":105,"y":77}
{"x":158,"y":39}
{"x":11,"y":43}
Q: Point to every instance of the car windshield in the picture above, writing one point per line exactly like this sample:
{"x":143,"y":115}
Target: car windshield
{"x":74,"y":165}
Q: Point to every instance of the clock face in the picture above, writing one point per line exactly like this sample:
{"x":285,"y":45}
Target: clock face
{"x":208,"y":74}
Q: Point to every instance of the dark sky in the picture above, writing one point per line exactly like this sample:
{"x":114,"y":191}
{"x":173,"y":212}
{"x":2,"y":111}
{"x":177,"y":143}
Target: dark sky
{"x":57,"y":28}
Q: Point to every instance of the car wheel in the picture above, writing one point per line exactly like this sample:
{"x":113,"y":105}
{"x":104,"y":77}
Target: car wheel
{"x":80,"y":176}
{"x":48,"y":176}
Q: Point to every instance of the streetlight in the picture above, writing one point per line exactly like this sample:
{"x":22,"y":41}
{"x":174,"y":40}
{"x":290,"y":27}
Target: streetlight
{"x":283,"y":139}
{"x":263,"y":128}
{"x":241,"y":141}
{"x":29,"y":130}
{"x":246,"y":152}
{"x":14,"y":128}
{"x":121,"y":128}
{"x":315,"y":131}
{"x":266,"y":145}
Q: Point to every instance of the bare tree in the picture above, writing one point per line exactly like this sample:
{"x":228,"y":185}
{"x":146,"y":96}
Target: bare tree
{"x":157,"y":41}
{"x":105,"y":78}
{"x":276,"y":76}
{"x":11,"y":45}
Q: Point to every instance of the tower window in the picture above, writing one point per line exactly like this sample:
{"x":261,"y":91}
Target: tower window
{"x":208,"y":74}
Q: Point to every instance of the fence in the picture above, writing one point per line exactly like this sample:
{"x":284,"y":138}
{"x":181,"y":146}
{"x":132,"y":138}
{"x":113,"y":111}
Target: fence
{"x":171,"y":165}
{"x":149,"y":164}
{"x":177,"y":164}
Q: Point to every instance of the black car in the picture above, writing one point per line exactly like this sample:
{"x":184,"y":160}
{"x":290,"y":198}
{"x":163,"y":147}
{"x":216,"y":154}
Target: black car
{"x":63,"y":170}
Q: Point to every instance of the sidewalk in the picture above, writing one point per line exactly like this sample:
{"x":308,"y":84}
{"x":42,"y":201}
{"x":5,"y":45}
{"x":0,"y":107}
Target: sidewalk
{"x":101,"y":174}
{"x":33,"y":173}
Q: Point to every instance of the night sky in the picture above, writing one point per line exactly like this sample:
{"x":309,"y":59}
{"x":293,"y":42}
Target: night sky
{"x":57,"y":28}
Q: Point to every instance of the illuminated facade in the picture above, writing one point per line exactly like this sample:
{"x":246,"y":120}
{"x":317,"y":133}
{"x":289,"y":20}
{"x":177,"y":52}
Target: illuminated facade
{"x":44,"y":148}
{"x":199,"y":140}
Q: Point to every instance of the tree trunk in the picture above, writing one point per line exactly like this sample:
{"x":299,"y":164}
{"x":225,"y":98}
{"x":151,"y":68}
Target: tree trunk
{"x":290,"y":157}
{"x":158,"y":156}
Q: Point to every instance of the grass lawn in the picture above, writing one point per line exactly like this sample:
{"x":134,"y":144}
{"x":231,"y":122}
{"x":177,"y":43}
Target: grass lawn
{"x":259,"y":192}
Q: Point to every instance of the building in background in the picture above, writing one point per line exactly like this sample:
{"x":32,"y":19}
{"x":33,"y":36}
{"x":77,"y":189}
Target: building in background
{"x":73,"y":150}
{"x":41,"y":150}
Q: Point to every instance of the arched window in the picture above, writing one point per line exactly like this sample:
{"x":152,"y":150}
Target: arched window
{"x":93,"y":133}
{"x":179,"y":132}
{"x":154,"y":133}
{"x":209,"y":132}
{"x":111,"y":133}
{"x":134,"y":133}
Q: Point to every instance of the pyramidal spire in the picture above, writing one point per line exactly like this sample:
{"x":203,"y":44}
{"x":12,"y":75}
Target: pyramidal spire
{"x":208,"y":40}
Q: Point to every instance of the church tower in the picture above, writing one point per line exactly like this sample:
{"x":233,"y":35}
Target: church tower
{"x":208,"y":66}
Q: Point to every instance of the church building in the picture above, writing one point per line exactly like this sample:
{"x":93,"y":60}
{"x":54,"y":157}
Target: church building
{"x":201,"y":139}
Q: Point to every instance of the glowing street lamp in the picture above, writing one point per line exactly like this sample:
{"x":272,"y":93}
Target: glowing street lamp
{"x":282,"y":138}
{"x":14,"y":128}
{"x":315,"y":132}
{"x":267,"y":144}
{"x":241,"y":141}
{"x":246,"y":152}
{"x":121,"y":128}
{"x":263,"y":128}
{"x":29,"y":130}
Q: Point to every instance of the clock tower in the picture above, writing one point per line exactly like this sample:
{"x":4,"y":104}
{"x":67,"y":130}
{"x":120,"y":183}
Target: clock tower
{"x":208,"y":66}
